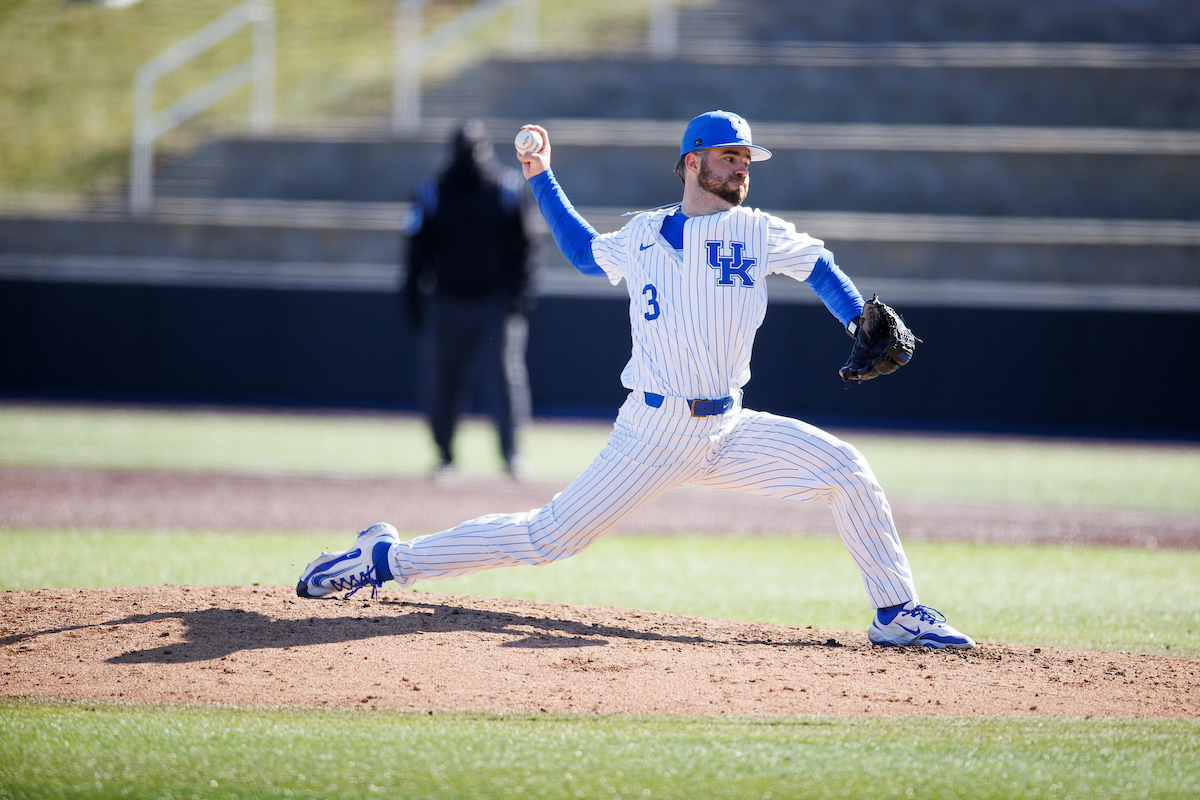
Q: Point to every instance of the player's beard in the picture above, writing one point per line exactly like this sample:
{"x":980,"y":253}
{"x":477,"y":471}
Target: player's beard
{"x":733,"y":193}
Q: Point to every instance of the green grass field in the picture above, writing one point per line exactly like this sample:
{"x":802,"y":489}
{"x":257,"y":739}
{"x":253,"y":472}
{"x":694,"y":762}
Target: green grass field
{"x":1049,"y":473}
{"x":86,"y":749}
{"x":1145,"y":601}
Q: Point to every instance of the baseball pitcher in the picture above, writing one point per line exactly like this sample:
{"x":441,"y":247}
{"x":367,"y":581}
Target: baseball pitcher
{"x":696,"y":275}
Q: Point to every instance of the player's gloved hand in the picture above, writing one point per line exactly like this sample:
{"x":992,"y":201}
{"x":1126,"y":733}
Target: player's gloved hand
{"x":882,"y":343}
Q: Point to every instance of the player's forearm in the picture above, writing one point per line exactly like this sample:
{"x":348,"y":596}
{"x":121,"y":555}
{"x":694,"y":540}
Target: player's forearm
{"x":571,"y":232}
{"x":835,"y":289}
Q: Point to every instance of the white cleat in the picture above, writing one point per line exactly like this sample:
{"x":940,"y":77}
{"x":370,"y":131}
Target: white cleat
{"x":350,"y":570}
{"x":915,"y":625}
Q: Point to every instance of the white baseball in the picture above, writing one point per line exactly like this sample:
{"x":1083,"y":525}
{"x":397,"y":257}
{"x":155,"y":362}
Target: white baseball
{"x":528,"y":141}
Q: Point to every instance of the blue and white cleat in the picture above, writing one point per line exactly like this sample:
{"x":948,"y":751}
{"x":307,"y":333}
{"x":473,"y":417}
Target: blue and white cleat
{"x":351,"y":570}
{"x":914,"y":625}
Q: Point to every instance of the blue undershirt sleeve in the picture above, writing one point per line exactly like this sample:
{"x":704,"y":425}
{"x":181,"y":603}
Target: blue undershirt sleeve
{"x":571,"y":232}
{"x":835,"y":289}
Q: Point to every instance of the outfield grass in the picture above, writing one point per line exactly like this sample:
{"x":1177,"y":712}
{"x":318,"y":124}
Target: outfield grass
{"x":1111,"y":599}
{"x":1049,"y":473}
{"x":89,"y":749}
{"x":1061,"y":474}
{"x":287,"y":444}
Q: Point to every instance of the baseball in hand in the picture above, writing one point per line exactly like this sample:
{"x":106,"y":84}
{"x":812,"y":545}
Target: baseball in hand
{"x":528,"y":141}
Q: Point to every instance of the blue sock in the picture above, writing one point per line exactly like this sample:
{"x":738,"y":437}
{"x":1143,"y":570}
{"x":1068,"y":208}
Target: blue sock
{"x":379,"y":557}
{"x":888,"y":614}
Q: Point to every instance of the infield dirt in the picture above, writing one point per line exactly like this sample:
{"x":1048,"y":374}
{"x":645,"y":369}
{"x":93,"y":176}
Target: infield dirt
{"x":410,"y":650}
{"x":418,"y":650}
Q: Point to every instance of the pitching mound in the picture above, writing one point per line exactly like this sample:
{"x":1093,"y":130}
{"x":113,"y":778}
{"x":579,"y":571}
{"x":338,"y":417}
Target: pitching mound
{"x":409,"y":650}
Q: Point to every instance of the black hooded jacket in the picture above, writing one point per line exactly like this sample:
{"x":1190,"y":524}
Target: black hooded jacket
{"x":467,"y":236}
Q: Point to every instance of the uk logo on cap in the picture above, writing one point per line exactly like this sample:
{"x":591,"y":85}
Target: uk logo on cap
{"x":720,"y":129}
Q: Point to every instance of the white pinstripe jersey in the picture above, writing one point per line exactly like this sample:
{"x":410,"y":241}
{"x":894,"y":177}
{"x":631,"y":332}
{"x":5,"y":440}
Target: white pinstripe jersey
{"x":694,"y":318}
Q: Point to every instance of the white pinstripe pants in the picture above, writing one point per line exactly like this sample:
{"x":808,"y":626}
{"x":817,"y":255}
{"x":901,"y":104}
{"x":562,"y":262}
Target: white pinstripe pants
{"x":654,"y":450}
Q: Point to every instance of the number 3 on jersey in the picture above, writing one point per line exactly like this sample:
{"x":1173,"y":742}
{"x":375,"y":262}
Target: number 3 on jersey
{"x":651,"y":302}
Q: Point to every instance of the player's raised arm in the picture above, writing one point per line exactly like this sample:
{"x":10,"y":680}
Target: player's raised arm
{"x":571,"y":232}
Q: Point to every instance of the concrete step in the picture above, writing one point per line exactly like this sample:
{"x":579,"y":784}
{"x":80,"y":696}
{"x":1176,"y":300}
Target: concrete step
{"x":349,"y":164}
{"x":193,"y":176}
{"x":914,"y":89}
{"x":218,"y":230}
{"x":1002,"y":171}
{"x":1151,"y":21}
{"x":356,"y":247}
{"x":556,"y":281}
{"x":999,"y":184}
{"x":994,"y":55}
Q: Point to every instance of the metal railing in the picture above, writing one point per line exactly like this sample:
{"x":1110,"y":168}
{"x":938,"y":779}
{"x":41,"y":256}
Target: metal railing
{"x":664,"y":28}
{"x":413,"y":49}
{"x":259,"y":70}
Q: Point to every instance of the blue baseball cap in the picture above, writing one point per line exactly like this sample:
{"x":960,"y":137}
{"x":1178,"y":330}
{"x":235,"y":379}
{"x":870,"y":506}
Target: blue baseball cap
{"x":720,"y":129}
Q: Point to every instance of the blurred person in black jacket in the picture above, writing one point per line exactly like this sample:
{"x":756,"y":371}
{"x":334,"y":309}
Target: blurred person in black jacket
{"x":468,"y":282}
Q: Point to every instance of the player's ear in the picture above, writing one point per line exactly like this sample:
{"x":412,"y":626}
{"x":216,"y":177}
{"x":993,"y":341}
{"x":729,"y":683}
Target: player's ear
{"x":691,"y":161}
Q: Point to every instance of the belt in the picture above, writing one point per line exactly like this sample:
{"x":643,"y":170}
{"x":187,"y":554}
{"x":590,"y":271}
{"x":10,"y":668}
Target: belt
{"x":699,"y":407}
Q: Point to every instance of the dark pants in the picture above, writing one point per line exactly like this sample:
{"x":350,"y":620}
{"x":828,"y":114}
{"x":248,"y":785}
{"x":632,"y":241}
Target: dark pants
{"x":477,"y":333}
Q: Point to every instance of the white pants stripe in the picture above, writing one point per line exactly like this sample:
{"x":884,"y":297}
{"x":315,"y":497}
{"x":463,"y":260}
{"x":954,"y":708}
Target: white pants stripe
{"x":652,"y":451}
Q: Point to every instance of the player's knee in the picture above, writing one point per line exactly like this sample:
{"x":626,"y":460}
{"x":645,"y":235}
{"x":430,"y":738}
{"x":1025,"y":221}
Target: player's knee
{"x":549,"y":550}
{"x":840,"y":454}
{"x":553,"y":541}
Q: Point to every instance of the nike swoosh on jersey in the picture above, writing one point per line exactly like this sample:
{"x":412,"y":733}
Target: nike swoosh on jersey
{"x":646,"y":246}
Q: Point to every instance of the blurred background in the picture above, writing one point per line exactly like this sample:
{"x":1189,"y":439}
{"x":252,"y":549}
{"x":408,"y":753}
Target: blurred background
{"x":203,"y":202}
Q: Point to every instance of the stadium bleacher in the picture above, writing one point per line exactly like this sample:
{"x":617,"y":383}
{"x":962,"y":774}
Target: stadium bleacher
{"x":1023,"y":158}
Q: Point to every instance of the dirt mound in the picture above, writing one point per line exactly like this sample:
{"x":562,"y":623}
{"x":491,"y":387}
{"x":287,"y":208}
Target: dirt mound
{"x":417,"y":650}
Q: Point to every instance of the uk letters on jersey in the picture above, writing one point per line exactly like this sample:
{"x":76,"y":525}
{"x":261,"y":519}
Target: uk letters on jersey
{"x":694,"y":315}
{"x":736,"y":264}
